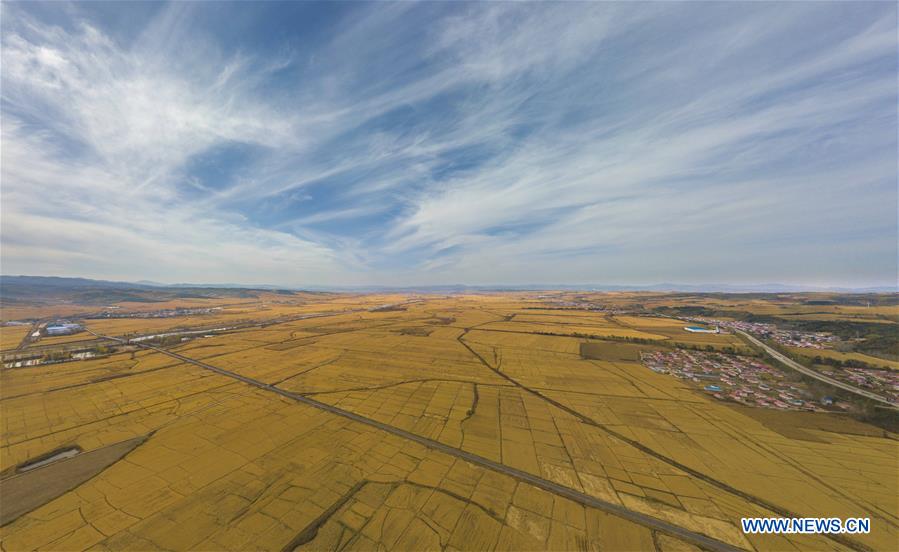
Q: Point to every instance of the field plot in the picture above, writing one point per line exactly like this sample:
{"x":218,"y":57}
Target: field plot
{"x":606,"y":350}
{"x":61,"y":339}
{"x":843,"y":357}
{"x":249,"y":469}
{"x":582,"y":329}
{"x":443,"y":403}
{"x":11,"y":336}
{"x":673,"y":330}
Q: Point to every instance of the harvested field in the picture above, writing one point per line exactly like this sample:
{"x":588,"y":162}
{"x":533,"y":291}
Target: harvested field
{"x":787,"y":421}
{"x":609,"y":350}
{"x":31,"y":488}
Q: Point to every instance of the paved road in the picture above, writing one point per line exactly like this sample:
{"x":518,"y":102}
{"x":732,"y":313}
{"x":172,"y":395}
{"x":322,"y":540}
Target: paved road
{"x":704,"y":542}
{"x":28,"y":338}
{"x":813,"y":374}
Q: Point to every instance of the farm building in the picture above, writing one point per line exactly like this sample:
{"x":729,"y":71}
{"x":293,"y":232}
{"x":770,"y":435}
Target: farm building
{"x":699,"y":329}
{"x":62,"y":328}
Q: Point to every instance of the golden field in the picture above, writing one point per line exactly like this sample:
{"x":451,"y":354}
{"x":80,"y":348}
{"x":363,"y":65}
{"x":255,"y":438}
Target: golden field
{"x":215,"y":463}
{"x":11,"y":336}
{"x":844,"y":356}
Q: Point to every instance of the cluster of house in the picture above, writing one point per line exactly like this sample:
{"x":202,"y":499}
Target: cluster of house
{"x":164,"y":313}
{"x":737,"y":378}
{"x":42,"y":360}
{"x":788,"y":338}
{"x":882,"y":382}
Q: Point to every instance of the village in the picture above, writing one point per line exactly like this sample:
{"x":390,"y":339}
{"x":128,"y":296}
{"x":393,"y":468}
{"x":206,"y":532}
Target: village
{"x":787,"y":338}
{"x":110,"y":312}
{"x":740,"y":379}
{"x":882,"y":382}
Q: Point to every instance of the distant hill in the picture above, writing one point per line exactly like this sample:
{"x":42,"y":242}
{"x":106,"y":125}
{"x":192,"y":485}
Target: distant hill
{"x":15,"y":289}
{"x":48,"y":289}
{"x":666,"y":287}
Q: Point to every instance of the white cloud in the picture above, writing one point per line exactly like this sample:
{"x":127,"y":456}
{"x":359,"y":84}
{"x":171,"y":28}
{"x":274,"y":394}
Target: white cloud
{"x":115,"y":207}
{"x":497,"y":143}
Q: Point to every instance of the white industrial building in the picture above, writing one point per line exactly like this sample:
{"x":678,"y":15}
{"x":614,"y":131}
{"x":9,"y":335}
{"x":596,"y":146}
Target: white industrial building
{"x":698,"y":329}
{"x":62,"y":328}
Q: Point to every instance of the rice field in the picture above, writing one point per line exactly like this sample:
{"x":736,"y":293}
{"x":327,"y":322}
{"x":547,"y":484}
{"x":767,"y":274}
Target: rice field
{"x":11,"y":336}
{"x":844,"y":356}
{"x":225,"y":465}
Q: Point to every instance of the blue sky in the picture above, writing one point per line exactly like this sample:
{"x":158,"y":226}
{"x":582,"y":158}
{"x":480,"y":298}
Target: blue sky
{"x":432,"y":143}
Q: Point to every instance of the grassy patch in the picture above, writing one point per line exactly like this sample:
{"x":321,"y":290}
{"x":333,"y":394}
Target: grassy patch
{"x":612,"y":351}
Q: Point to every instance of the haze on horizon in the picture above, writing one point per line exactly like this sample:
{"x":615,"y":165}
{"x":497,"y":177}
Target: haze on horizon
{"x":438,"y":143}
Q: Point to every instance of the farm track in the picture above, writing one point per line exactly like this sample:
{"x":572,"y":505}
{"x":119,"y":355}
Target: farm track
{"x":643,"y":448}
{"x":26,"y":339}
{"x":310,"y":531}
{"x":665,"y":341}
{"x":650,"y":522}
{"x":407,"y":382}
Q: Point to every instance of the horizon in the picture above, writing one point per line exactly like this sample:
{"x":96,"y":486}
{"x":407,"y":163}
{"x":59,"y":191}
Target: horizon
{"x":707,"y":287}
{"x":429,"y":144}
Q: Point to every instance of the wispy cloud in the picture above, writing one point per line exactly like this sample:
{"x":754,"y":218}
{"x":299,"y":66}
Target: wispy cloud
{"x":496,"y":143}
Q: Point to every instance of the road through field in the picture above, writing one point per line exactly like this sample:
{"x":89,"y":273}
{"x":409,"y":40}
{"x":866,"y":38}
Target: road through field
{"x":703,"y":541}
{"x":29,"y":337}
{"x":790,"y":363}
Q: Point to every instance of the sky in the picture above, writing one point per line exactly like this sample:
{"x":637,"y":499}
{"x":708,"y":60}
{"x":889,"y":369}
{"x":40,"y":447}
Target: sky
{"x":340,"y":144}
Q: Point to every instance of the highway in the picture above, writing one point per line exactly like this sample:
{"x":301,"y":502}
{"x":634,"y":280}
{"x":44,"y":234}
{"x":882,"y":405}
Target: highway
{"x":790,"y":363}
{"x":698,"y":539}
